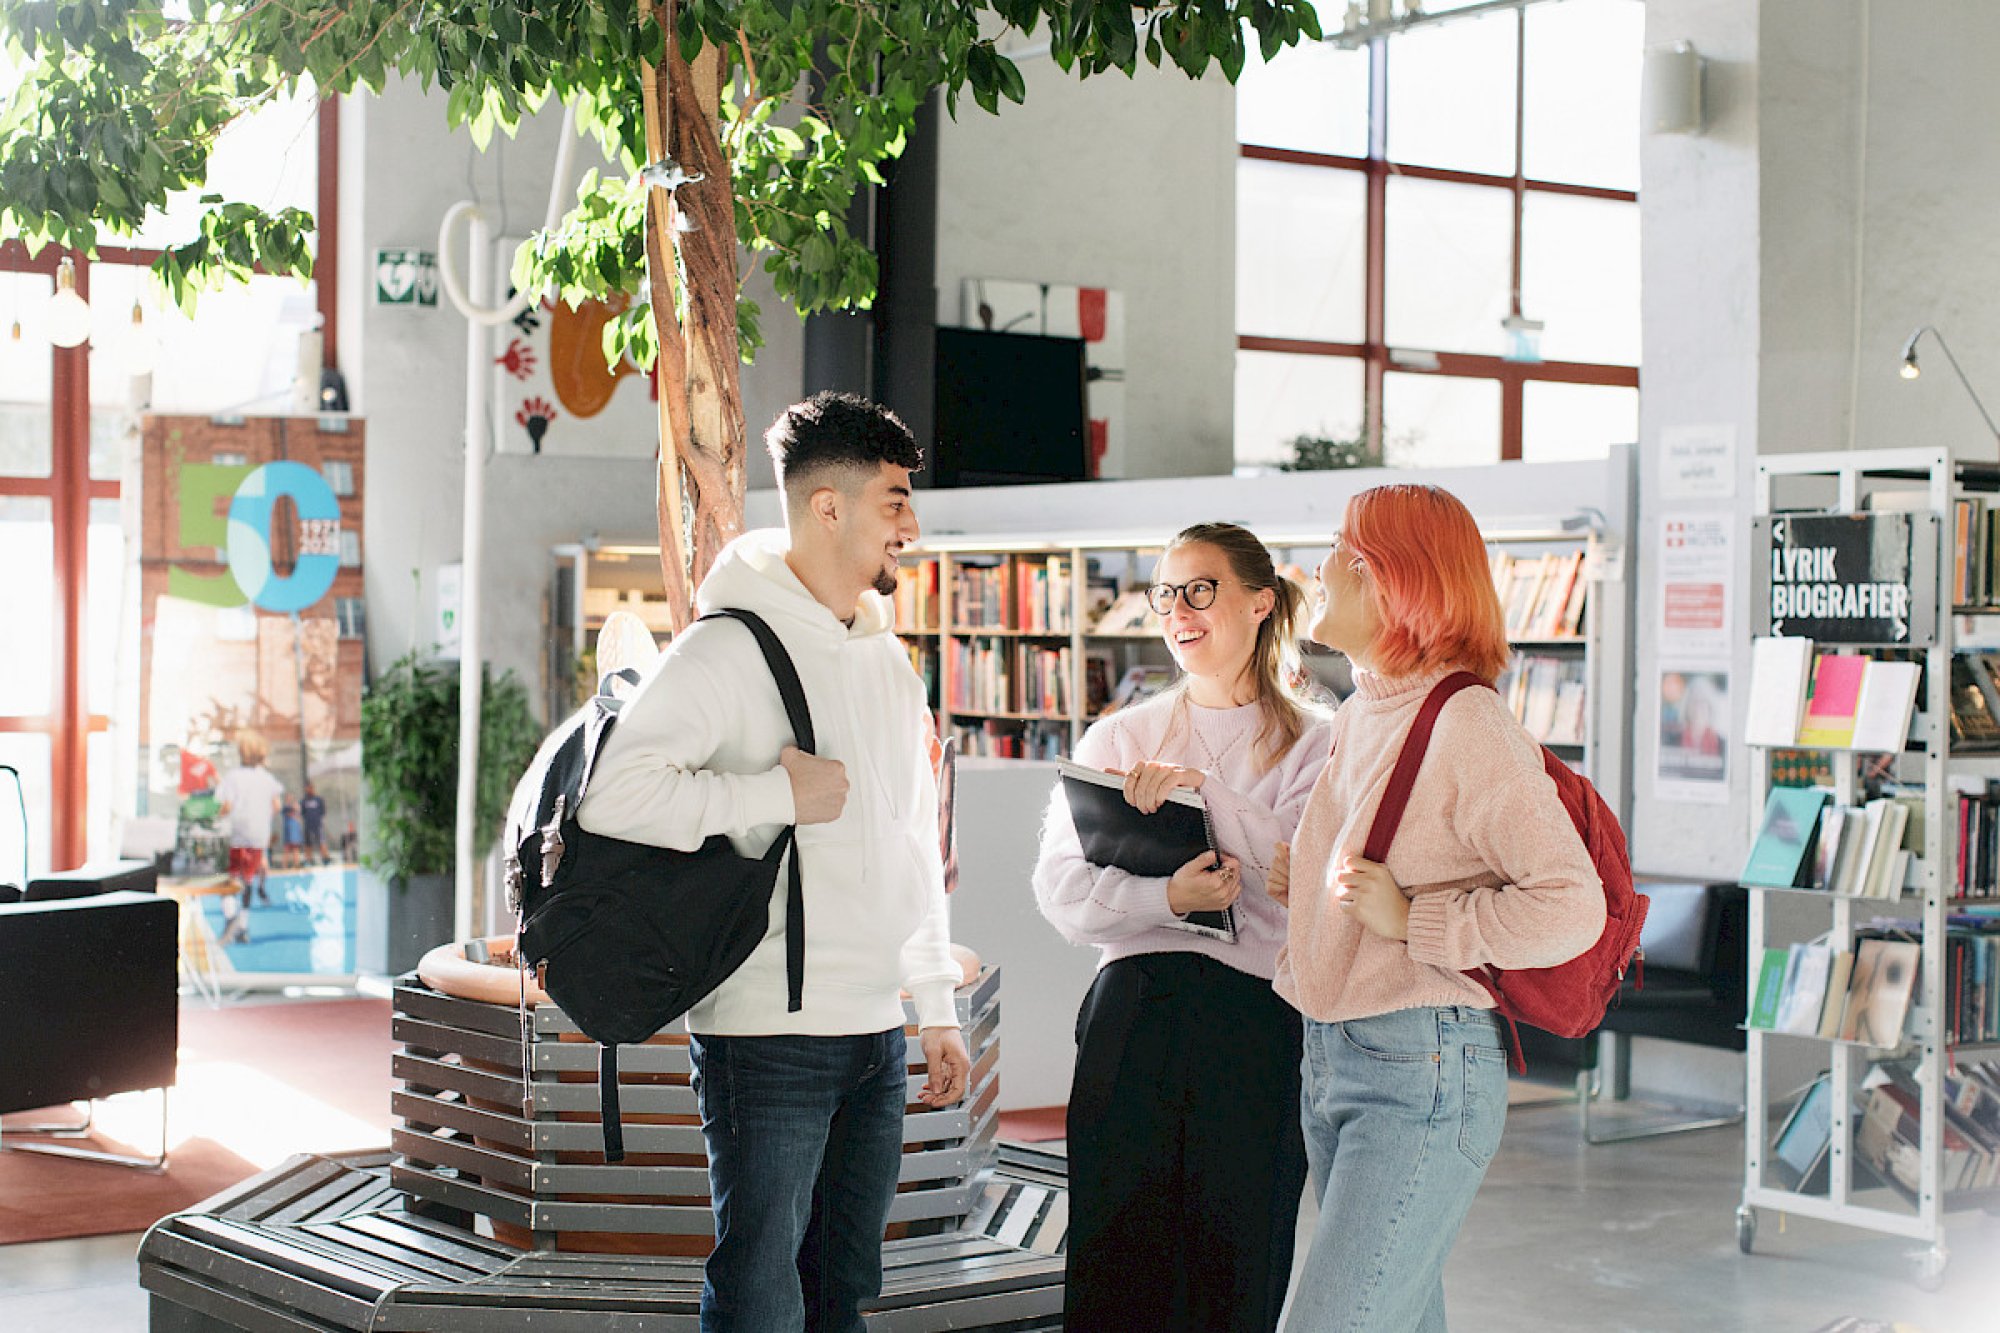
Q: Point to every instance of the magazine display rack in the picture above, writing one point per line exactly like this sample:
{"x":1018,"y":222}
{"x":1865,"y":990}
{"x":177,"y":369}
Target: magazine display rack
{"x":1826,"y":1151}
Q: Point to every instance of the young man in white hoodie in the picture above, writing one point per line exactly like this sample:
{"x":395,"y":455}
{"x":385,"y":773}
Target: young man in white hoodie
{"x":802,"y":1110}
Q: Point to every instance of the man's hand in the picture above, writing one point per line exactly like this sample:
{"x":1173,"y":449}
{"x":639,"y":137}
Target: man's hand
{"x":1370,"y":894}
{"x":1201,"y":886}
{"x":1278,"y":879}
{"x":1148,"y":784}
{"x":819,"y":786}
{"x":948,"y":1067}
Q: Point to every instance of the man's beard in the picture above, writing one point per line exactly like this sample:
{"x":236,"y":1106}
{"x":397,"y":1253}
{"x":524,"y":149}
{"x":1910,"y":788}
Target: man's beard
{"x":885,"y":582}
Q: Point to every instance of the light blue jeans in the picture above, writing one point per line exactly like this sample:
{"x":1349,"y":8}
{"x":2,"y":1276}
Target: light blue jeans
{"x":1402,"y":1114}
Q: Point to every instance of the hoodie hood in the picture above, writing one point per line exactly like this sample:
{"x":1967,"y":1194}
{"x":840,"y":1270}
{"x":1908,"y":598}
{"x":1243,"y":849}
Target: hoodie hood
{"x":751,"y":575}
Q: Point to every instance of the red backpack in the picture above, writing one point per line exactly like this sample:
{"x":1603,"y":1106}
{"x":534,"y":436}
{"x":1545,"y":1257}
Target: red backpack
{"x":1570,"y":998}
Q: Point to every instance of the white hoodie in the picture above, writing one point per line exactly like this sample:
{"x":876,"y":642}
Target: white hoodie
{"x":695,"y":753}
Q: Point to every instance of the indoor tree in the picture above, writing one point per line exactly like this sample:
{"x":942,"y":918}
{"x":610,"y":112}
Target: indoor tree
{"x":733,"y":126}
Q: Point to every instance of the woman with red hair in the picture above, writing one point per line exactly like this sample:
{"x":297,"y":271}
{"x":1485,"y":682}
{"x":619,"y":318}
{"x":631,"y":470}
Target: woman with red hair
{"x":1405,"y":1071}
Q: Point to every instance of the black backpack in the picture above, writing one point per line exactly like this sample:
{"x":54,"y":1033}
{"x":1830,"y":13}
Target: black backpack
{"x":632,"y":936}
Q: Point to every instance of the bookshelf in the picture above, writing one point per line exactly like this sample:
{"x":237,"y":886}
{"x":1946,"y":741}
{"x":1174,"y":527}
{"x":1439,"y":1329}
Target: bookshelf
{"x":1031,"y":639}
{"x":1885,"y":1168}
{"x":1023,"y":641}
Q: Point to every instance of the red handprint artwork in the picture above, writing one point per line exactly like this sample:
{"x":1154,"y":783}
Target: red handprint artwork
{"x":535,"y":415}
{"x":518,"y":360}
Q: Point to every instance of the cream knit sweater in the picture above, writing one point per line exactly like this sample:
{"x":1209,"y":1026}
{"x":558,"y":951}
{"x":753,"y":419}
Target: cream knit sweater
{"x":1495,"y":870}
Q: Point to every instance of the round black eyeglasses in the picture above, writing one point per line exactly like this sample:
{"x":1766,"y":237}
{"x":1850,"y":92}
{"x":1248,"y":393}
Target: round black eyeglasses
{"x":1199,"y":594}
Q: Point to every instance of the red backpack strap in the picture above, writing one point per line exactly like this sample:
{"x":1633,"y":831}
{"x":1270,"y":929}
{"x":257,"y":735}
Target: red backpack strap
{"x":1390,"y":813}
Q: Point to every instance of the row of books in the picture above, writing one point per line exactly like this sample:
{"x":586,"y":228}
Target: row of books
{"x":1835,"y":700}
{"x":1816,"y":990}
{"x":1542,"y":595}
{"x":924,"y":661}
{"x":1975,"y":701}
{"x":1016,"y":740}
{"x":1861,"y":851}
{"x":1009,"y":677}
{"x":1547,"y":696}
{"x":1971,"y":985}
{"x":1978,"y":838}
{"x":1888,"y":1131}
{"x":1032,"y":595}
{"x":1975,"y":546}
{"x":916,"y":597}
{"x":1889,"y":1135}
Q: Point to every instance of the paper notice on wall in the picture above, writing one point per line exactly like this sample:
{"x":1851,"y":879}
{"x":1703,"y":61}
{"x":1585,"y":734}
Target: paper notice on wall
{"x":1698,"y":462}
{"x":1692,"y":760}
{"x":1697,"y":564}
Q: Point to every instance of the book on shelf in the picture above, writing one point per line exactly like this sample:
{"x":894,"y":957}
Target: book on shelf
{"x":1114,"y":832}
{"x":1803,"y":1139}
{"x":1769,"y":992}
{"x":1973,"y":723}
{"x":1781,"y":858}
{"x":1807,"y":968}
{"x":1882,"y":712}
{"x":1780,"y":668}
{"x":1878,"y":993}
{"x":1830,"y":707}
{"x":1840,"y":972}
{"x":1129,"y":613}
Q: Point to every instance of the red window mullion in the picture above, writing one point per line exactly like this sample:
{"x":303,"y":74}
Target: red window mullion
{"x":70,"y":404}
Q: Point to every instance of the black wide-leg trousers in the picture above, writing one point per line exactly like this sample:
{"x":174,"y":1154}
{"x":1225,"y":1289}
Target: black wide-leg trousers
{"x":1186,"y":1160}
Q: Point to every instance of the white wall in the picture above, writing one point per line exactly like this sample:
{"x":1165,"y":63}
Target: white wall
{"x":1126,"y":184}
{"x":405,"y":368}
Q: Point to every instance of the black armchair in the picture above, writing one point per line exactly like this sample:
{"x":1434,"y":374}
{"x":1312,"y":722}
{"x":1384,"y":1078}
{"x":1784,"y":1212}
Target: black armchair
{"x":1695,"y":988}
{"x":93,"y":984}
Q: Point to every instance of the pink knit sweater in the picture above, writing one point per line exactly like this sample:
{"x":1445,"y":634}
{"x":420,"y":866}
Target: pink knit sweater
{"x":1495,"y":870}
{"x":1251,"y":808}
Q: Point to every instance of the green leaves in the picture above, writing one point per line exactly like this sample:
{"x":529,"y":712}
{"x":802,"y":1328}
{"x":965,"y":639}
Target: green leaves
{"x":120,"y":108}
{"x":409,"y":762}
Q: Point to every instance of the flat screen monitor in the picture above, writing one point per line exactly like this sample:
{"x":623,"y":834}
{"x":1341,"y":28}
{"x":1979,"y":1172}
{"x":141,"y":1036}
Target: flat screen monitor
{"x":1010,"y":409}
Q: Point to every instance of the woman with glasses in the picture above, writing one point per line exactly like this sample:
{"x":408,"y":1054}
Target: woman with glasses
{"x":1186,"y":1165}
{"x":1405,"y":1067}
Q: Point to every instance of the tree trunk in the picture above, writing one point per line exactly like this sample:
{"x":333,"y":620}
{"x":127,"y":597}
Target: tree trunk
{"x":691,"y":237}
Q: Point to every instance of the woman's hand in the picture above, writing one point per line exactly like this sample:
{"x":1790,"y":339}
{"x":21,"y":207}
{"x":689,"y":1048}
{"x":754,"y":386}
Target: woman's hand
{"x":1278,"y":879}
{"x":1367,"y":892}
{"x":1199,"y":886}
{"x":1147,"y":784}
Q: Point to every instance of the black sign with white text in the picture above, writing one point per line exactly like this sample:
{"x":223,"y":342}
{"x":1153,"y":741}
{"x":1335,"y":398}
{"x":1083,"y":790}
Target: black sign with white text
{"x":1849,"y":578}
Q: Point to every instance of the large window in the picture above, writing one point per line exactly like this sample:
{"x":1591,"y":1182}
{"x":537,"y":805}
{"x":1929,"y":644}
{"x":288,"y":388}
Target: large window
{"x":68,"y":426}
{"x":1408,"y":213}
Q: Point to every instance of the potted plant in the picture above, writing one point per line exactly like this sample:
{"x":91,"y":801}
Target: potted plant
{"x":409,"y":766}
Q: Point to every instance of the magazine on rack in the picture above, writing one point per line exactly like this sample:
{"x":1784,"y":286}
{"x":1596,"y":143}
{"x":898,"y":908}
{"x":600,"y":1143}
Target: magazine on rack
{"x":1114,"y":833}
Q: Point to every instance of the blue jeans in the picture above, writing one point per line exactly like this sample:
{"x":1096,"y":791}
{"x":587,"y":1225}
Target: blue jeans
{"x":805,"y":1140}
{"x":1403,"y":1112}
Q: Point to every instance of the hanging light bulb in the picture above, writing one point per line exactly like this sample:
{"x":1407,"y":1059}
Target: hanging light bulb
{"x":143,"y":352}
{"x":69,"y":317}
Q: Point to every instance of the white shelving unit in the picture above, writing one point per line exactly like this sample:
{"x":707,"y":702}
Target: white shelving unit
{"x":1838,"y":483}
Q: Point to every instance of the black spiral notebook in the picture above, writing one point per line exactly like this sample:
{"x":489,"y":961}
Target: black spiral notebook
{"x":1114,"y":833}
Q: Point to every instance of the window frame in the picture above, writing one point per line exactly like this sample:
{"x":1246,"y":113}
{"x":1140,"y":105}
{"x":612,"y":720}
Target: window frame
{"x":1376,"y":354}
{"x":70,"y":488}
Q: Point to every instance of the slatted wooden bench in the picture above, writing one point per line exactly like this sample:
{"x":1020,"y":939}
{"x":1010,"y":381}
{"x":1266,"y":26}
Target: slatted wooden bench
{"x":324,"y":1243}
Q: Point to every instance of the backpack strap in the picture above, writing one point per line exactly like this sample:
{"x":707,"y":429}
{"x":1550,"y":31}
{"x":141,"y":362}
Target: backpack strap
{"x":1404,"y":776}
{"x":607,"y":1101}
{"x":794,"y":695}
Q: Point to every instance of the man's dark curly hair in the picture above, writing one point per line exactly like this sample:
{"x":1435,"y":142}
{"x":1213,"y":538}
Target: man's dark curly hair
{"x":836,"y":431}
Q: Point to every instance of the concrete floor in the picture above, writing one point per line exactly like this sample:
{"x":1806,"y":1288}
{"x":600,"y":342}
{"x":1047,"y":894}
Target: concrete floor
{"x":1636,"y":1236}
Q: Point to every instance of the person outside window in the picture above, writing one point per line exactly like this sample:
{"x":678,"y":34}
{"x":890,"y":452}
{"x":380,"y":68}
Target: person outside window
{"x":312,"y":814}
{"x":249,"y":799}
